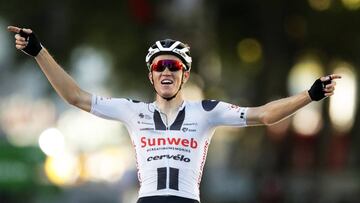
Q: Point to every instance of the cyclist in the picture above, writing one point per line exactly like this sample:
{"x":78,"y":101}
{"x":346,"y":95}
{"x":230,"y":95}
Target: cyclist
{"x":171,"y":136}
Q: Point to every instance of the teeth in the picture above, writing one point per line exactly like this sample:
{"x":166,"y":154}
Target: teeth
{"x":166,"y":81}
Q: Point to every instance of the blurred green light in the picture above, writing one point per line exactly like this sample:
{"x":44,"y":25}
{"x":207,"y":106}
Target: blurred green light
{"x":351,"y":4}
{"x":320,"y":5}
{"x":249,"y":50}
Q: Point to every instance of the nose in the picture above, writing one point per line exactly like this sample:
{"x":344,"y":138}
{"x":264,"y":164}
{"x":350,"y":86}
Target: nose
{"x":166,"y":71}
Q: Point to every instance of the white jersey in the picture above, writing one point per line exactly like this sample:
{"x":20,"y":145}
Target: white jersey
{"x":170,"y":156}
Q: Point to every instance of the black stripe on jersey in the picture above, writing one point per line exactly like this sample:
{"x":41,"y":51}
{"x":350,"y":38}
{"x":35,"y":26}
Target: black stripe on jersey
{"x":159,"y":124}
{"x":174,"y":178}
{"x":161,"y":182}
{"x":209,"y":105}
{"x":178,"y":121}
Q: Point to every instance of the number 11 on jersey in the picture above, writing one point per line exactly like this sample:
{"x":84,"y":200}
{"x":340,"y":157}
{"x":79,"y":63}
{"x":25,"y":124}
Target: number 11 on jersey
{"x":173,"y":178}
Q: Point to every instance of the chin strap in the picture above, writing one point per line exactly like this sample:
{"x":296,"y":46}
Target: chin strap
{"x":172,"y":97}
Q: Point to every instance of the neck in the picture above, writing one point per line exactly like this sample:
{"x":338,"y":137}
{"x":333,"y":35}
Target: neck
{"x":169,"y":107}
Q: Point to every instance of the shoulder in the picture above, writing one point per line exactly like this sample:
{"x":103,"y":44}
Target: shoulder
{"x":136,"y":102}
{"x":113,"y":101}
{"x":209,"y":105}
{"x":216,"y":105}
{"x":203,"y":105}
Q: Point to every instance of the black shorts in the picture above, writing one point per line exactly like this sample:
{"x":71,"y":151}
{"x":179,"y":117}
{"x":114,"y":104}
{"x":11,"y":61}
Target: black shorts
{"x":166,"y":199}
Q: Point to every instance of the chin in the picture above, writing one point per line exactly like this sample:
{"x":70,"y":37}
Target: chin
{"x":167,"y":95}
{"x":167,"y":91}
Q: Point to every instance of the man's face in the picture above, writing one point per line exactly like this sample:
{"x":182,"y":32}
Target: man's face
{"x":167,"y":83}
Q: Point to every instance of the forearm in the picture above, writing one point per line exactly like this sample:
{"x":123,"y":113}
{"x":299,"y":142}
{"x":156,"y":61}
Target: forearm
{"x":282,"y":108}
{"x":62,"y":82}
{"x":277,"y":110}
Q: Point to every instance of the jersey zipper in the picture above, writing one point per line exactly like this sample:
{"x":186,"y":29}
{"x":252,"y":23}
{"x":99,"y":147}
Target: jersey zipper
{"x":165,"y":118}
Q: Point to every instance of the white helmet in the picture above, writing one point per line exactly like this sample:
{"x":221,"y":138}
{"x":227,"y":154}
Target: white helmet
{"x":172,"y":47}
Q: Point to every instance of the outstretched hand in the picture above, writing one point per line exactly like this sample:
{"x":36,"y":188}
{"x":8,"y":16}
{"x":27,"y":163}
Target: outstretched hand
{"x":20,"y":42}
{"x":330,"y":83}
{"x":26,"y":40}
{"x":323,"y":87}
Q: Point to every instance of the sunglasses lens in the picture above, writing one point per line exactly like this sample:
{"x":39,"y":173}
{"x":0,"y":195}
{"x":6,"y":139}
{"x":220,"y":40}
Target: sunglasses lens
{"x":172,"y":65}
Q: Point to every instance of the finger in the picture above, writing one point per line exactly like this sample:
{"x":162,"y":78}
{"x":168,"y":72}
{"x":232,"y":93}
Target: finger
{"x":18,"y":37}
{"x":329,"y":94}
{"x":329,"y":86}
{"x":19,"y":46}
{"x":335,"y":76}
{"x":23,"y":43}
{"x":328,"y":90}
{"x":13,"y":29}
{"x":330,"y":77}
{"x":332,"y":84}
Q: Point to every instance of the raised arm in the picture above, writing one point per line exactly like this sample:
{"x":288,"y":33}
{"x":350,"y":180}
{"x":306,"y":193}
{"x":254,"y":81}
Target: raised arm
{"x":277,"y":110}
{"x":62,"y":82}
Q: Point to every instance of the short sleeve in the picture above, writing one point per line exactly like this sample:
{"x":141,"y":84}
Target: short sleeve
{"x":225,"y":114}
{"x":111,"y":108}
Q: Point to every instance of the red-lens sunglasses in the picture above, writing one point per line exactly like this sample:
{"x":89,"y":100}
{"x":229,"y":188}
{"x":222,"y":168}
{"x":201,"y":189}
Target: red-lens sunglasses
{"x":172,"y":65}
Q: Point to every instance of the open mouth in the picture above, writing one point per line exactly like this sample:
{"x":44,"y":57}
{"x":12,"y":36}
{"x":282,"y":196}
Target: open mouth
{"x":167,"y":82}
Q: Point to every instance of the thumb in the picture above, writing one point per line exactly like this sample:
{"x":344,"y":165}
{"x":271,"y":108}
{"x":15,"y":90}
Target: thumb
{"x":326,"y":78}
{"x":27,"y":31}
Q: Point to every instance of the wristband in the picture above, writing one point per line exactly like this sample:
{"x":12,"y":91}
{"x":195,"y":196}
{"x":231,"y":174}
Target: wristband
{"x":33,"y":47}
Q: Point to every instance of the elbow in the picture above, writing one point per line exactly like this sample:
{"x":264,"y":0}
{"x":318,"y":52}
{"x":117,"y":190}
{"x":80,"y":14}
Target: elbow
{"x":73,"y":99}
{"x":267,"y":119}
{"x":80,"y":99}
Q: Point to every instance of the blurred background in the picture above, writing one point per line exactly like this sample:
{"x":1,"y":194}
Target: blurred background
{"x":246,"y":52}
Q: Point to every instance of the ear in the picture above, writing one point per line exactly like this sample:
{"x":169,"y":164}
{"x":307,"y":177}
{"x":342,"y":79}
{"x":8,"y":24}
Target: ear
{"x":186,"y":76}
{"x":151,"y":77}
